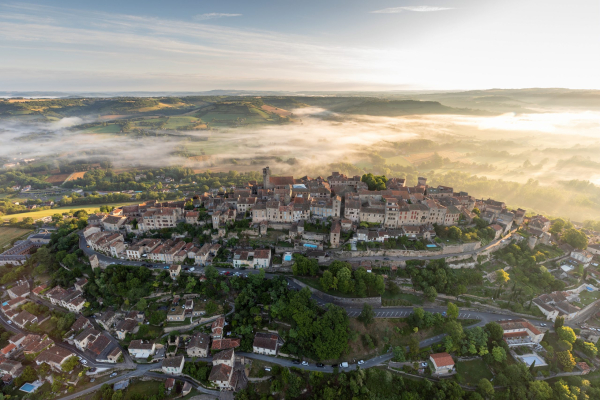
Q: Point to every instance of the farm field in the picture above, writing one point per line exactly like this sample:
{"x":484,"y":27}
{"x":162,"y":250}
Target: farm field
{"x":178,"y":122}
{"x":275,"y":110}
{"x":89,"y":208}
{"x":76,"y":175}
{"x":109,"y":128}
{"x":8,"y":234}
{"x":399,"y":160}
{"x":57,"y":179}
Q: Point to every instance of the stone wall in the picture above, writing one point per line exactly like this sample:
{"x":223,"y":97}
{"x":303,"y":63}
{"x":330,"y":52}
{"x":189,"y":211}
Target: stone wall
{"x":341,"y":301}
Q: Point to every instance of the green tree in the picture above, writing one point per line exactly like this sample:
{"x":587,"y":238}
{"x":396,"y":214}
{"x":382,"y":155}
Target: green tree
{"x":589,"y":348}
{"x":566,"y":333}
{"x":141,"y":305}
{"x":575,"y":238}
{"x":502,"y":276}
{"x":495,"y":331}
{"x":70,"y":364}
{"x":562,"y":391}
{"x":557,"y":226}
{"x":452,"y":311}
{"x":566,"y":360}
{"x":558,"y":323}
{"x":539,"y":390}
{"x":367,"y":316}
{"x":499,"y":354}
{"x":485,"y":388}
{"x":399,"y":355}
{"x":327,"y":281}
{"x":430,"y":293}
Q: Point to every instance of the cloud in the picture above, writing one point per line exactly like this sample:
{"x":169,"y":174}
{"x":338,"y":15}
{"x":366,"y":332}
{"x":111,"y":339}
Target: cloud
{"x":203,"y":17}
{"x":395,"y":10}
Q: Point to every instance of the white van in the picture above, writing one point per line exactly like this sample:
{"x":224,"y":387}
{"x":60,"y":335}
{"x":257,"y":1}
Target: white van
{"x":344,"y":365}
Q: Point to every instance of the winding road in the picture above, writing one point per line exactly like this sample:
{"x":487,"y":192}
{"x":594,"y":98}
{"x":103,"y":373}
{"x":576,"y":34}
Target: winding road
{"x":396,"y":312}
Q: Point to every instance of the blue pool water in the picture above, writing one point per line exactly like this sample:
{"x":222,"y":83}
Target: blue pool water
{"x":310,"y":246}
{"x":287,"y":258}
{"x":5,"y":303}
{"x":431,"y":245}
{"x":28,"y":388}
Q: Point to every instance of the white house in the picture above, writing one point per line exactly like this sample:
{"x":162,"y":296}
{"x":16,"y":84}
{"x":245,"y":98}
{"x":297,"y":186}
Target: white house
{"x":141,"y":348}
{"x":442,"y":363}
{"x":173,"y":365}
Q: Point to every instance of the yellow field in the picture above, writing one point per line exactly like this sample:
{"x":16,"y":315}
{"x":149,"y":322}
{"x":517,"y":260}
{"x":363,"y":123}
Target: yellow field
{"x":90,"y":208}
{"x":76,"y":175}
{"x":8,"y":234}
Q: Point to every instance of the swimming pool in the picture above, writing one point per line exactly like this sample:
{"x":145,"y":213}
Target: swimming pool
{"x":27,"y":388}
{"x":431,"y":245}
{"x":5,"y":303}
{"x":287,"y":257}
{"x":530,"y":358}
{"x":310,"y":246}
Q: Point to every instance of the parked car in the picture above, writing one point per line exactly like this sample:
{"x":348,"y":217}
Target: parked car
{"x":320,"y":365}
{"x":166,"y":267}
{"x":344,"y":365}
{"x":361,"y":362}
{"x":304,"y":363}
{"x":424,"y":364}
{"x":113,"y":374}
{"x":268,"y":369}
{"x":296,"y":362}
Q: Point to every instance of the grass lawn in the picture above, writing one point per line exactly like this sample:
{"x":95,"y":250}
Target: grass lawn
{"x":109,"y":128}
{"x":257,"y":366}
{"x":146,"y":389}
{"x":588,"y":298}
{"x":90,"y":208}
{"x":413,"y":299}
{"x":8,"y":234}
{"x":472,"y":371}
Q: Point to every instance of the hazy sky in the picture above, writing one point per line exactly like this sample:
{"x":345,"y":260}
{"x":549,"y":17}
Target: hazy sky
{"x":194,"y":45}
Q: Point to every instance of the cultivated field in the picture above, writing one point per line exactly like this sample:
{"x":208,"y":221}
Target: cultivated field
{"x":76,"y":175}
{"x":44,"y":213}
{"x":8,"y":234}
{"x":57,"y":179}
{"x":275,"y":110}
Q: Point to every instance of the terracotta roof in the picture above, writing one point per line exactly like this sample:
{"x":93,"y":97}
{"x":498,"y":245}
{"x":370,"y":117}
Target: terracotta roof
{"x":8,"y":348}
{"x":80,"y":323}
{"x":54,"y":355}
{"x":222,"y":344}
{"x":221,"y":372}
{"x":223,"y":355}
{"x":98,"y":345}
{"x":169,"y":383}
{"x":265,"y":340}
{"x":218,"y":323}
{"x":442,"y":359}
{"x":515,"y":334}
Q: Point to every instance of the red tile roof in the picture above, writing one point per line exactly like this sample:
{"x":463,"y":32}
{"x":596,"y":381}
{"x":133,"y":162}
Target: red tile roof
{"x":442,"y":359}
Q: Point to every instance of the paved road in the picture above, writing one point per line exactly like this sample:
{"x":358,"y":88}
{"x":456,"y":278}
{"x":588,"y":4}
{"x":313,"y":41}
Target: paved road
{"x":183,"y":379}
{"x":141,"y":370}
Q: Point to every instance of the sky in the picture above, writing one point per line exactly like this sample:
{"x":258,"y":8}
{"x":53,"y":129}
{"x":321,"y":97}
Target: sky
{"x":309,"y":45}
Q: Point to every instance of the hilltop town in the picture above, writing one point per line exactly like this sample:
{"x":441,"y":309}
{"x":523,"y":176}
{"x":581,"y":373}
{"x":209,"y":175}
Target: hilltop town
{"x":206,"y":294}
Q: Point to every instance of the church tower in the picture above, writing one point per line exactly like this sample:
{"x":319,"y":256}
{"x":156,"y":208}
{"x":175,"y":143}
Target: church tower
{"x":267,"y":178}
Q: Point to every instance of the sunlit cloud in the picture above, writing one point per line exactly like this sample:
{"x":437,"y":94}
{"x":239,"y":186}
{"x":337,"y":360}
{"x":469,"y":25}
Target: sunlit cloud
{"x":203,"y":17}
{"x":396,"y":10}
